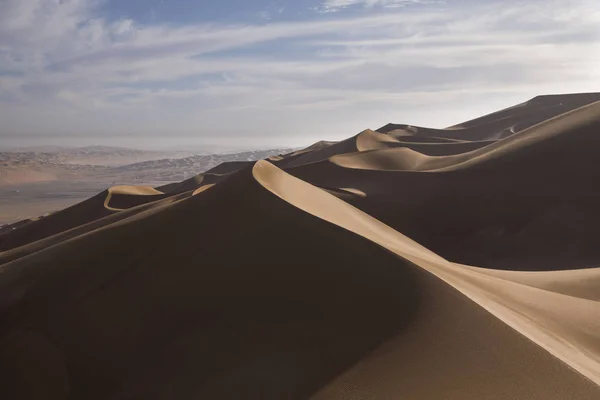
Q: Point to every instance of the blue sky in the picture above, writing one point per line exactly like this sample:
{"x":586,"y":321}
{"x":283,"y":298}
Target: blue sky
{"x":258,"y":73}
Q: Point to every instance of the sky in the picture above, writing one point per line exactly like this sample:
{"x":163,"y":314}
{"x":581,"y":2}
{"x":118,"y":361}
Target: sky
{"x":269,"y":73}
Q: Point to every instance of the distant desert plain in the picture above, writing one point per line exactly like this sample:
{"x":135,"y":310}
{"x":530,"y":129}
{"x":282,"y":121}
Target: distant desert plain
{"x":401,"y":263}
{"x":35,"y":182}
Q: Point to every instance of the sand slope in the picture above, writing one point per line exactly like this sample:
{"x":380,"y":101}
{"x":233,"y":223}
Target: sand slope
{"x":365,"y":269}
{"x":525,"y":202}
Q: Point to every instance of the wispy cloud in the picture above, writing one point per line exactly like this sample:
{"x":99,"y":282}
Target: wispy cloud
{"x":337,"y":5}
{"x":65,"y":69}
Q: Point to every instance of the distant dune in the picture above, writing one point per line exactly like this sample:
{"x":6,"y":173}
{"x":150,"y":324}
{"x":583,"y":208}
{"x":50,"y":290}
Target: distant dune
{"x":401,"y":263}
{"x":35,"y":183}
{"x":108,"y":163}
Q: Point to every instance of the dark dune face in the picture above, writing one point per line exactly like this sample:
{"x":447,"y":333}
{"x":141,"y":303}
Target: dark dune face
{"x":346,"y":270}
{"x":524,"y":203}
{"x":176,"y":311}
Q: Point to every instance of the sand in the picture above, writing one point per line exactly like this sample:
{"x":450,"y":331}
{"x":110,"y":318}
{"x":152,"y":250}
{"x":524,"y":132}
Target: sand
{"x":403,"y":263}
{"x":38,"y":181}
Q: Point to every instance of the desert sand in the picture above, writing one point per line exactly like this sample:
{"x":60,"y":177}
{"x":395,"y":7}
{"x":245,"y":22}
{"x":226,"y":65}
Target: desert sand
{"x":401,"y":263}
{"x":34,"y":183}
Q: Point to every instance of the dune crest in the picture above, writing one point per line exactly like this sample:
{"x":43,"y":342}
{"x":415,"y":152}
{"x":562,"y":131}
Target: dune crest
{"x":539,"y":311}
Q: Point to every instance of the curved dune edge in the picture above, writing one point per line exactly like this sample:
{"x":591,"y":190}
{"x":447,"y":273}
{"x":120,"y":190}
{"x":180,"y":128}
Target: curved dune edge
{"x":582,"y":283}
{"x":563,"y":325}
{"x":354,"y":191}
{"x":110,"y":220}
{"x":371,"y":140}
{"x":369,"y":149}
{"x":202,"y":188}
{"x":129,"y":191}
{"x":394,"y":158}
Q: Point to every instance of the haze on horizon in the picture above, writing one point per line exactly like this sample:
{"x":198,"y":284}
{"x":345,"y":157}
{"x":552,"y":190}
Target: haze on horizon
{"x":259,"y":73}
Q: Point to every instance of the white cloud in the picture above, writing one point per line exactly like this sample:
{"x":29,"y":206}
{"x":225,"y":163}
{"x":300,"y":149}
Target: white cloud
{"x":65,"y":70}
{"x":337,"y":5}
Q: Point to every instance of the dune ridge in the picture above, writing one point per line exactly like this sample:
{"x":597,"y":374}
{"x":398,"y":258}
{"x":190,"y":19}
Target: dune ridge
{"x":405,"y":262}
{"x":583,"y":357}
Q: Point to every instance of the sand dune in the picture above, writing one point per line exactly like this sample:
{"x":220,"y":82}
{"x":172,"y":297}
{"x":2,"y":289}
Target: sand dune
{"x":499,"y":206}
{"x":569,"y":318}
{"x":112,"y":200}
{"x":403,"y":263}
{"x":123,"y":197}
{"x":195,"y":182}
{"x":229,"y":167}
{"x":572,"y":128}
{"x":503,"y":123}
{"x":37,"y":181}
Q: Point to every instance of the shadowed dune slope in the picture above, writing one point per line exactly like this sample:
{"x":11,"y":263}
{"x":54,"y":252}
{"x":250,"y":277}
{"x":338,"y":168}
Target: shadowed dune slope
{"x":526,"y":202}
{"x":563,"y":133}
{"x":322,"y":151}
{"x":229,"y":167}
{"x":372,"y":140}
{"x":533,"y":111}
{"x":112,"y":200}
{"x":205,"y":178}
{"x":315,"y":146}
{"x":124,"y":197}
{"x":183,"y":186}
{"x":109,"y":220}
{"x":262,"y":323}
{"x":503,"y":123}
{"x":404,"y":263}
{"x":79,"y":214}
{"x":570,"y":319}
